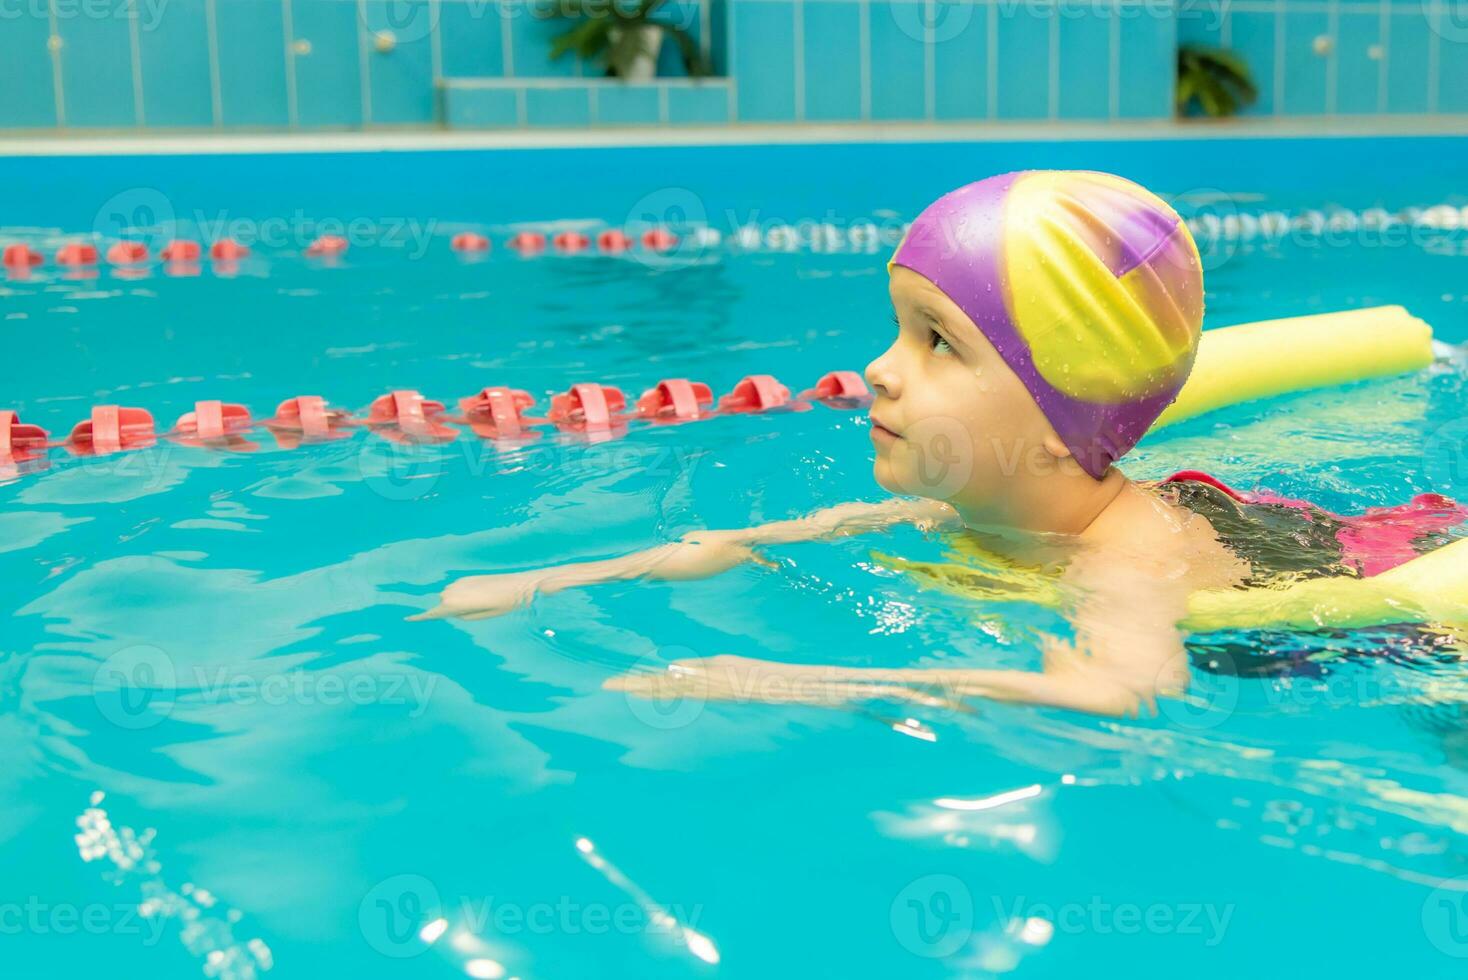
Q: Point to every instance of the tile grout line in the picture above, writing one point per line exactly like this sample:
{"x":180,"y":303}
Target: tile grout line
{"x":216,"y":92}
{"x":730,"y":53}
{"x":1383,"y":77}
{"x":1434,"y":52}
{"x":1333,"y":62}
{"x":435,"y":40}
{"x":864,"y":42}
{"x":1279,"y":57}
{"x":1052,"y":65}
{"x":135,"y":49}
{"x":54,"y":43}
{"x":930,"y":66}
{"x":1113,"y":63}
{"x":507,"y":44}
{"x":364,"y":70}
{"x":288,"y":32}
{"x":797,"y":37}
{"x":992,"y":80}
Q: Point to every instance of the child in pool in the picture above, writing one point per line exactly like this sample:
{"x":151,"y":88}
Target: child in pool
{"x":1044,"y":320}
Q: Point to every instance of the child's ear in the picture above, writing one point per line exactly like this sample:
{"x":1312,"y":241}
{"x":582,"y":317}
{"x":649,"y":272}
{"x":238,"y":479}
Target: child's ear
{"x":1055,"y":447}
{"x":1063,"y":456}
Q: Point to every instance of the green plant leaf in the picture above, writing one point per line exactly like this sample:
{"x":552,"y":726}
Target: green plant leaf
{"x":586,"y":39}
{"x":1187,"y":89}
{"x":1217,"y":79}
{"x":688,"y":48}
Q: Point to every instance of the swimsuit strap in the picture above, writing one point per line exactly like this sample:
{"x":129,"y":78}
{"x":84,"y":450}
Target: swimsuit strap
{"x":1279,"y":537}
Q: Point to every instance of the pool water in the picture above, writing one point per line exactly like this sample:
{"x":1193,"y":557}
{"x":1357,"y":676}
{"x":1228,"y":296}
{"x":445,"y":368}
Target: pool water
{"x":229,"y":755}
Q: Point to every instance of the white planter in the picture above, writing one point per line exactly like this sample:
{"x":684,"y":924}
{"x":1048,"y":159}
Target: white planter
{"x":645,"y":66}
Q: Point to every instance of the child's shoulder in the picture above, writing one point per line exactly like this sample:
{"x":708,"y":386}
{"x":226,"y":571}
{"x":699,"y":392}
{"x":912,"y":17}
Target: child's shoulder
{"x":1149,"y":527}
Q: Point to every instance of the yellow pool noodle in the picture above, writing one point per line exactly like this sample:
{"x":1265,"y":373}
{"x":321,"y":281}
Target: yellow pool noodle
{"x":1277,"y":357}
{"x":1432,"y":588}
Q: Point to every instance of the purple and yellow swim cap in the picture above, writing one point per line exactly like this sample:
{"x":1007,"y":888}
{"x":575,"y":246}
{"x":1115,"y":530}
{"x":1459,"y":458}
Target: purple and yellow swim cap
{"x":1088,"y":285}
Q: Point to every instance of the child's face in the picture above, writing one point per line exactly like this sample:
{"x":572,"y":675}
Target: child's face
{"x":950,"y":420}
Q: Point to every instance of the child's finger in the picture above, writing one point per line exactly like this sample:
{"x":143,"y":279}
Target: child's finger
{"x":760,"y":559}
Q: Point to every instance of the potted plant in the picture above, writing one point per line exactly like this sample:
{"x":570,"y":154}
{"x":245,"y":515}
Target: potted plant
{"x":623,"y":36}
{"x":1213,"y":81}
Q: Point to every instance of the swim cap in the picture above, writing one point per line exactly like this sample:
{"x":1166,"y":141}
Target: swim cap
{"x":1088,"y":285}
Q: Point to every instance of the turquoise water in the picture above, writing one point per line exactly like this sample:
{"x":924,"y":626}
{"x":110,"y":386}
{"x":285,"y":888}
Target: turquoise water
{"x":228,"y":751}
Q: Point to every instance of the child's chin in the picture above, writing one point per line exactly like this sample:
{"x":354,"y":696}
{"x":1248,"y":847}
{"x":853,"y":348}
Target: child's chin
{"x":882,"y":473}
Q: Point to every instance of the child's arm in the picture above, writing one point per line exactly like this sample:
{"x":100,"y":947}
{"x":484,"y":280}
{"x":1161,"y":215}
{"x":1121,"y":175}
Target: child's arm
{"x":699,"y":554}
{"x":1128,"y":652}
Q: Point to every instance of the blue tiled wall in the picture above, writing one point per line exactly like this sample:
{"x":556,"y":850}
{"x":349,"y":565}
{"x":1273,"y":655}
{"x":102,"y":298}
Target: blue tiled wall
{"x":1341,"y":57}
{"x":275,"y":64}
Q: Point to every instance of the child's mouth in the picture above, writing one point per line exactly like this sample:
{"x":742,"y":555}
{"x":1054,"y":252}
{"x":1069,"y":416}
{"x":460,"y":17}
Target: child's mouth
{"x":881,"y":434}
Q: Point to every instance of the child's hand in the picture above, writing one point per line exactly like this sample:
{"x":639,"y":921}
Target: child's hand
{"x":483,"y":596}
{"x":727,"y":677}
{"x":700,"y":554}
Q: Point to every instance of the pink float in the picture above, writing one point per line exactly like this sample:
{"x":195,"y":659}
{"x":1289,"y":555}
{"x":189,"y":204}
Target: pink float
{"x":588,"y":407}
{"x":570,"y":241}
{"x":327,"y":246}
{"x":498,"y":413}
{"x":613,"y":240}
{"x":755,"y":393}
{"x":676,"y":400}
{"x":19,"y":441}
{"x":181,"y":250}
{"x":111,"y":429}
{"x":20,"y":257}
{"x":839,"y":386}
{"x":227,"y":249}
{"x":468,"y":241}
{"x":527,"y":242}
{"x":406,"y":416}
{"x":77,"y":254}
{"x":127,"y":253}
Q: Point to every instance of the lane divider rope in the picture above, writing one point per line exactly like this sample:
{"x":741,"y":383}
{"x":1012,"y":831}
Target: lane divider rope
{"x":498,"y":414}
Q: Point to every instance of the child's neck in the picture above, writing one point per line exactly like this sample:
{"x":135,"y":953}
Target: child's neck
{"x":1038,"y":522}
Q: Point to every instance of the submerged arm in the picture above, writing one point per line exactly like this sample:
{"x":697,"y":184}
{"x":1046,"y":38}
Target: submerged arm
{"x":1128,"y":651}
{"x":698,"y":554}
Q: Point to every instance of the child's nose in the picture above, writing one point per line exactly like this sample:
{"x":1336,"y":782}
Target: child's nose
{"x":882,"y":377}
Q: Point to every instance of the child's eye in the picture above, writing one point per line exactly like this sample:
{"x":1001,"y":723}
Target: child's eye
{"x":939,"y":345}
